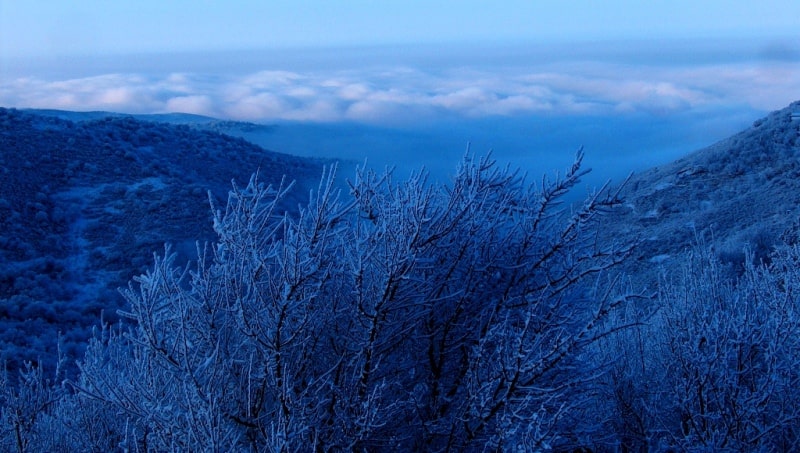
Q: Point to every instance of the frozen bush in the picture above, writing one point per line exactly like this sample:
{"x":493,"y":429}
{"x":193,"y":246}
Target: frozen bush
{"x":407,"y":317}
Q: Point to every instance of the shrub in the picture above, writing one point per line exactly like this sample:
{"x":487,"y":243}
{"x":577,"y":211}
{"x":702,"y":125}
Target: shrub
{"x":718,"y":368}
{"x":406,"y":316}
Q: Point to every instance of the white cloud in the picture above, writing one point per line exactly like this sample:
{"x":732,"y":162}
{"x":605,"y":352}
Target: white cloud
{"x":271,"y":79}
{"x":130,"y":93}
{"x":256,"y":106}
{"x":350,"y":92}
{"x":388,"y":95}
{"x":197,"y":104}
{"x":465,"y":99}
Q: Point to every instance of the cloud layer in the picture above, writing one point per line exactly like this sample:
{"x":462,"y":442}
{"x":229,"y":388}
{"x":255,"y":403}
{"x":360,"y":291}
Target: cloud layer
{"x":406,"y":94}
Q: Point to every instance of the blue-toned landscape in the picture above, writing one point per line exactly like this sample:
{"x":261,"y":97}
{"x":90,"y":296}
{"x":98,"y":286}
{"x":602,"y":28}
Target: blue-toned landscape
{"x":275,"y":227}
{"x":597,"y":287}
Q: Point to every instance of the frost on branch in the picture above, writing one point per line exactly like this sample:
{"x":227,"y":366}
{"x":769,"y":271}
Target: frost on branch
{"x":404,"y":316}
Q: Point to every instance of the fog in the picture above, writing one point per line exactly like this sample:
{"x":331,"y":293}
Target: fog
{"x":613,"y":146}
{"x":631,"y":105}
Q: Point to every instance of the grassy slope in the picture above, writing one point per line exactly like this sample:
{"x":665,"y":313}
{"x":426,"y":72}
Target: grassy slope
{"x":741,"y":191}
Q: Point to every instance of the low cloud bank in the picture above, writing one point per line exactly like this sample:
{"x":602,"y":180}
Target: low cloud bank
{"x":407,"y":95}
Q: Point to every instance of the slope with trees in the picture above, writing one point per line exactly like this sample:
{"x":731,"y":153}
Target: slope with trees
{"x":478,"y":315}
{"x":83,"y":204}
{"x":743,"y":191}
{"x":404,"y":316}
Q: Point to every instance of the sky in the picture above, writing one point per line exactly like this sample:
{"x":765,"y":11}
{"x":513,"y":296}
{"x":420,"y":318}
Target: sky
{"x":395,"y":61}
{"x":58,"y":27}
{"x":705,"y":68}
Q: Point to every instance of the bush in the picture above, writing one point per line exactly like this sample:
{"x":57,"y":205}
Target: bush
{"x":719,"y":367}
{"x":407,"y":317}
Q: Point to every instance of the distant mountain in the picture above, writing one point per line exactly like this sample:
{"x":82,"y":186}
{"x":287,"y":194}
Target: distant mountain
{"x":185,"y":119}
{"x":743,"y":191}
{"x":85,"y":200}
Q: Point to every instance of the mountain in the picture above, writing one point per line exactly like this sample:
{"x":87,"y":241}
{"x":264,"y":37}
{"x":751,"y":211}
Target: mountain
{"x":741,"y":192}
{"x":85,"y":200}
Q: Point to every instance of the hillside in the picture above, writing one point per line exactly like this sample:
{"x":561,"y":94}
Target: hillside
{"x":85,"y":203}
{"x":743,"y":191}
{"x":86,"y":198}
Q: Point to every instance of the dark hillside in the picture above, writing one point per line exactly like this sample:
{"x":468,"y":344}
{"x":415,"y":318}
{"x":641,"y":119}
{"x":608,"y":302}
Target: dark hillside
{"x":84,"y":204}
{"x":743,"y":191}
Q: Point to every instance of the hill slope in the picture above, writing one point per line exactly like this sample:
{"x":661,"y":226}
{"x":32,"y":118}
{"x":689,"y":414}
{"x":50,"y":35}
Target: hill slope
{"x":85,"y":199}
{"x":742,"y":191}
{"x":84,"y":204}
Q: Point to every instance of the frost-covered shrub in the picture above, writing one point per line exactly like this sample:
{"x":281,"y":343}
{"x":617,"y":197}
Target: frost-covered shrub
{"x":406,"y":316}
{"x":718,"y":368}
{"x":735,"y":355}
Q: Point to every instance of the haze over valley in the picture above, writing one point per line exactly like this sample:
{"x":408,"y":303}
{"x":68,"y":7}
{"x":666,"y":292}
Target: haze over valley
{"x":632,"y":104}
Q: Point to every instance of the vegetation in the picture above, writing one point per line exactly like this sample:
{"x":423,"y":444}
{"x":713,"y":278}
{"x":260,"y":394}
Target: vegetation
{"x":405,"y":317}
{"x":480,"y":315}
{"x":741,"y":192}
{"x":84,"y":204}
{"x":717,"y":368}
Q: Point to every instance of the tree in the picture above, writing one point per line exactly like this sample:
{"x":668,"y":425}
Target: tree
{"x":407,"y":316}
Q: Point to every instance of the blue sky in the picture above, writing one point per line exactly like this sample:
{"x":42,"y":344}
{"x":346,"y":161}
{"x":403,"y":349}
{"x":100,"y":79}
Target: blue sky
{"x":58,"y":27}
